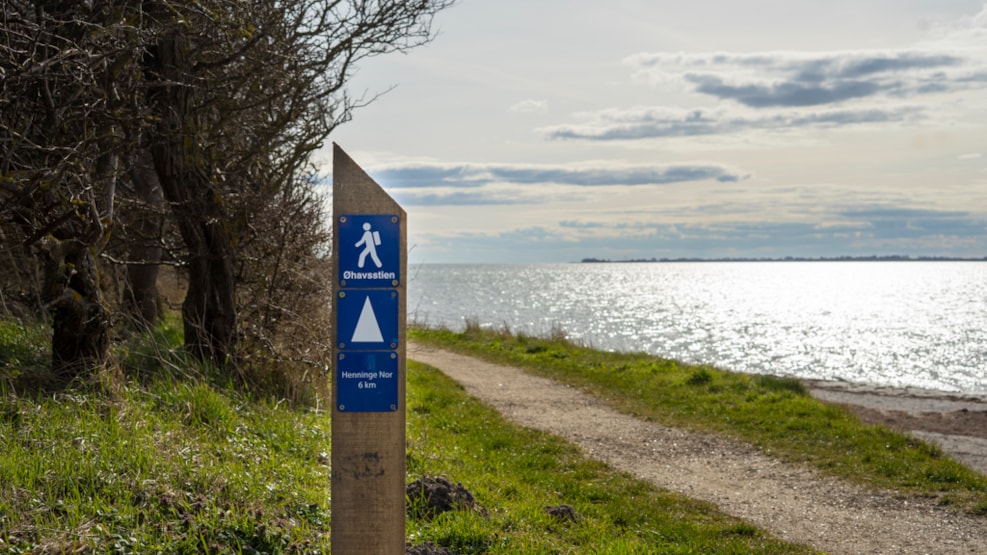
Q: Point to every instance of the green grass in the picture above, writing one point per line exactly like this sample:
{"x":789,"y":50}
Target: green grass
{"x":775,"y":414}
{"x":169,"y":460}
{"x":25,"y":353}
{"x":173,"y":461}
{"x":173,"y":467}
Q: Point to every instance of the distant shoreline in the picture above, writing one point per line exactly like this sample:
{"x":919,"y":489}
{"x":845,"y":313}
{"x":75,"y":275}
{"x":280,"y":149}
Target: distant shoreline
{"x":890,"y":258}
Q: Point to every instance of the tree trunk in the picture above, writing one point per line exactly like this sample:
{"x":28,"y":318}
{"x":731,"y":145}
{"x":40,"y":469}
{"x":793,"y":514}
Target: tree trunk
{"x":141,"y":296}
{"x":80,"y":322}
{"x":209,"y":309}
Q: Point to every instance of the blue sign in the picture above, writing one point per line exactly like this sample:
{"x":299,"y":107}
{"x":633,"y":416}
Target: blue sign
{"x":367,"y":382}
{"x":369,"y":250}
{"x":367,"y":309}
{"x":367,"y":319}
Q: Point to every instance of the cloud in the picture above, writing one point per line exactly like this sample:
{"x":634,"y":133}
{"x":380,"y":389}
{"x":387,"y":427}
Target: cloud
{"x":605,"y":176}
{"x":783,"y":91}
{"x":654,"y":122}
{"x":730,"y":239}
{"x":880,"y":229}
{"x":900,"y":213}
{"x":910,"y":223}
{"x":424,"y":176}
{"x":970,"y":156}
{"x":530,"y":107}
{"x":578,"y":224}
{"x":965,"y":31}
{"x":799,"y":79}
{"x":459,"y":198}
{"x":438,"y":184}
{"x":414,"y":175}
{"x":783,"y":94}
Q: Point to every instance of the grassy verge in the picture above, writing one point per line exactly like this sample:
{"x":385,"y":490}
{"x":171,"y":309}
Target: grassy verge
{"x":170,"y":463}
{"x":776,"y":414}
{"x":171,"y":460}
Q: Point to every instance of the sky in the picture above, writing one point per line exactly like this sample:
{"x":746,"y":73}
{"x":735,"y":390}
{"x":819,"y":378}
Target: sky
{"x":557,"y":130}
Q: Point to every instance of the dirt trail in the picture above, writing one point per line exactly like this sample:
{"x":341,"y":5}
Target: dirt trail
{"x":794,"y":503}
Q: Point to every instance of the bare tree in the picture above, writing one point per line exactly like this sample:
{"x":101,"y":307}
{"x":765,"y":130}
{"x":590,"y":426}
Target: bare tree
{"x":67,"y":72}
{"x":242,"y":100}
{"x":212,"y":108}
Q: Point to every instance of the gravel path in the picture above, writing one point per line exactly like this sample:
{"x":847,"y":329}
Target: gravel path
{"x":794,"y":503}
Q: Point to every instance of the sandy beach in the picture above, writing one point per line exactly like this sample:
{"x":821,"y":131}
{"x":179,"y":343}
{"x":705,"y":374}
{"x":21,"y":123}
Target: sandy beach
{"x":954,"y":421}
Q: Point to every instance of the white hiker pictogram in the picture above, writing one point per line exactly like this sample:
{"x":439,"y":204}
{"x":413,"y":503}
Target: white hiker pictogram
{"x":370,"y":242}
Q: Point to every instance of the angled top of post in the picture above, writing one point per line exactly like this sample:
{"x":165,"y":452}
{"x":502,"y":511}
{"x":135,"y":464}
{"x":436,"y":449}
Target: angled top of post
{"x":352,"y":188}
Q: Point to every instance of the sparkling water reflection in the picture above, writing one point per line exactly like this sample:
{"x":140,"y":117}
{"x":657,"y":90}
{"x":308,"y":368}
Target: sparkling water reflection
{"x":901,"y":324}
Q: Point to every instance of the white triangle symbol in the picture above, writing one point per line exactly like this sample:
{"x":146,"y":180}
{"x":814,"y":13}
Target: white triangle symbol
{"x":367,"y":330}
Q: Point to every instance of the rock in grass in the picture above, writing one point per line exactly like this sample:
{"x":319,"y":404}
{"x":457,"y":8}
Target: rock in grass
{"x":430,"y":496}
{"x":427,"y":548}
{"x":564,"y":513}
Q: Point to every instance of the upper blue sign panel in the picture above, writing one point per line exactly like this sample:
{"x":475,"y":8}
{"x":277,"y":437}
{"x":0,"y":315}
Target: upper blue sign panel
{"x":369,"y":250}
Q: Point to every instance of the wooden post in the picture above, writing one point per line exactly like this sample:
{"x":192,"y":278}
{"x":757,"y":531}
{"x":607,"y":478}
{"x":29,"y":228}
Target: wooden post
{"x":368,"y":382}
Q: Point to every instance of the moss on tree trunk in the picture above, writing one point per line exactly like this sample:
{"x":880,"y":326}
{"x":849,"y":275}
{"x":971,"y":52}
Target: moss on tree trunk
{"x":80,"y":321}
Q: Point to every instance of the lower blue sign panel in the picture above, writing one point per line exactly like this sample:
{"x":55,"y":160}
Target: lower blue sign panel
{"x":367,"y":382}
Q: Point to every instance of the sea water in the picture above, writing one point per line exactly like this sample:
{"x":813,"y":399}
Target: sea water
{"x":899,"y":324}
